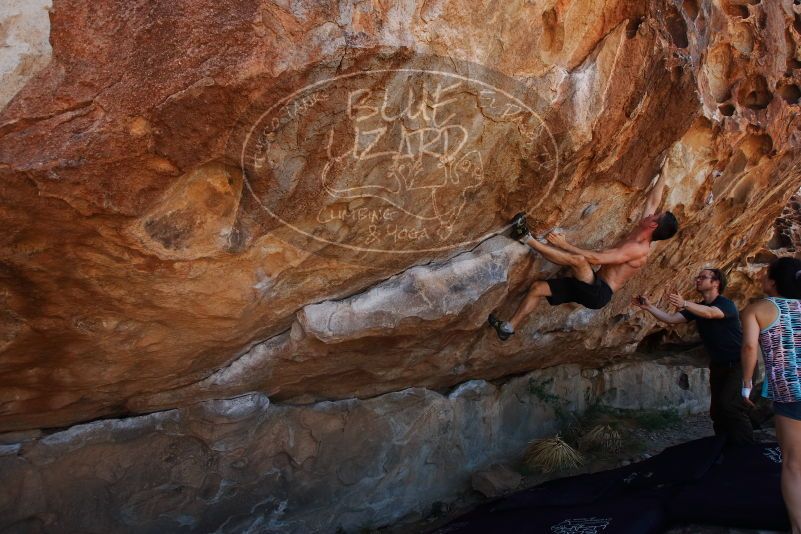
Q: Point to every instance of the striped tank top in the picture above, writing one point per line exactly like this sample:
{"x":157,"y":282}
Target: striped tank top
{"x":781,"y":347}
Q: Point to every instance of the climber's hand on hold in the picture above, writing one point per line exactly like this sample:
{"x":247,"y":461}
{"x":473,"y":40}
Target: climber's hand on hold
{"x":556,"y":239}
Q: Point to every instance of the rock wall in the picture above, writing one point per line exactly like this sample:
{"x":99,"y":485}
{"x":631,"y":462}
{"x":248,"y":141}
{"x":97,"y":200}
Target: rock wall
{"x":25,"y":33}
{"x":300,"y":208}
{"x":787,"y":229}
{"x":195,"y":189}
{"x":247,"y":465}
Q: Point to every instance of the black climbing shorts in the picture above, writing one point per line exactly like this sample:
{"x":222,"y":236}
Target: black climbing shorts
{"x":593,"y":296}
{"x":791,"y":410}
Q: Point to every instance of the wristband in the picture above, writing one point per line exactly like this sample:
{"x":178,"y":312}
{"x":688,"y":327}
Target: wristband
{"x":746,"y":390}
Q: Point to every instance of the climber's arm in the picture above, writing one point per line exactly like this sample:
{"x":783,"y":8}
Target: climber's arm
{"x":617,"y":255}
{"x":654,"y":197}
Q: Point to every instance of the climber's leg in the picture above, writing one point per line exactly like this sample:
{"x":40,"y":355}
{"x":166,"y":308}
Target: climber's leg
{"x":578,"y":264}
{"x":537,"y":291}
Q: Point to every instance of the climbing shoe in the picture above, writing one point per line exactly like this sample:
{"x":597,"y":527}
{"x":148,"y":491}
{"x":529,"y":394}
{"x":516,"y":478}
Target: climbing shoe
{"x":502,"y":328}
{"x":519,"y":226}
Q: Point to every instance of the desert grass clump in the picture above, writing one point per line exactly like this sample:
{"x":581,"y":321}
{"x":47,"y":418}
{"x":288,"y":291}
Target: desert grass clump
{"x":604,"y":437}
{"x":552,"y":454}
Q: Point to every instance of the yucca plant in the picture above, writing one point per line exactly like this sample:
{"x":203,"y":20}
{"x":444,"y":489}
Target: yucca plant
{"x":602,"y":436}
{"x":551,"y":454}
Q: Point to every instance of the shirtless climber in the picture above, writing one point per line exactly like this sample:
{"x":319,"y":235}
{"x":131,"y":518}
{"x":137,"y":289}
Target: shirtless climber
{"x":589,"y":288}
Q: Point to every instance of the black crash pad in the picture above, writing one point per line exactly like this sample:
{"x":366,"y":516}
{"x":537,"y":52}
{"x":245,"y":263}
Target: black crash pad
{"x":605,"y":516}
{"x":696,"y":482}
{"x":742,"y":490}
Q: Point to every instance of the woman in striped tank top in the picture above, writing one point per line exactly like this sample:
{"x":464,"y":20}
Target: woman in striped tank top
{"x":774,"y":324}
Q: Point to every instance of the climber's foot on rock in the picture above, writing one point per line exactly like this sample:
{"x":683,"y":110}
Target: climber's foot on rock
{"x":502,"y":328}
{"x":520,"y":227}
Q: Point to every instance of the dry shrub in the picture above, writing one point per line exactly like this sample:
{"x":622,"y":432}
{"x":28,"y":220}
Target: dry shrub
{"x":604,"y":437}
{"x":552,"y":454}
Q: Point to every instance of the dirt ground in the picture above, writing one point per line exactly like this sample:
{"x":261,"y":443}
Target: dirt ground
{"x":642,"y":443}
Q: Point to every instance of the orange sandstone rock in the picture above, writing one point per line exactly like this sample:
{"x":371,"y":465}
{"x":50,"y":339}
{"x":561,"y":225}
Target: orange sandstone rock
{"x":169,"y":236}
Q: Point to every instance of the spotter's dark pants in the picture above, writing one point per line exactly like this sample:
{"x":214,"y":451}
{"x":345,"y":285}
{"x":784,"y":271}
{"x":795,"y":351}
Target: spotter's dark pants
{"x":728,"y":411}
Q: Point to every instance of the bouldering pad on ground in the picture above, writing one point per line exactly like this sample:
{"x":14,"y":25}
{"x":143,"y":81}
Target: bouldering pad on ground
{"x":742,"y":490}
{"x":700,"y":481}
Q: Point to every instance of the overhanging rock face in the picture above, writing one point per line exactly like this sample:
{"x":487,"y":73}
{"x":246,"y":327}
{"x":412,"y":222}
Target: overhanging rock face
{"x":205,"y":198}
{"x":246,"y":465}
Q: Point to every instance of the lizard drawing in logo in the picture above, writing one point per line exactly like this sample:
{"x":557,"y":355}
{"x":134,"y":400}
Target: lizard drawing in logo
{"x":410,"y":160}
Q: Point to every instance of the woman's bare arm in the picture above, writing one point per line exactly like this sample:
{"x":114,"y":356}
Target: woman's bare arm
{"x":748,"y":353}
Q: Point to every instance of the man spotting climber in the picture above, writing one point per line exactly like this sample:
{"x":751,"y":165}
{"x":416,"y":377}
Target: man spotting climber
{"x":585,"y":286}
{"x":718,"y":323}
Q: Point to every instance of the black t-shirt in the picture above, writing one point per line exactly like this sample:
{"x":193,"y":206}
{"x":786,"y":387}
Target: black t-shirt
{"x":722,"y":337}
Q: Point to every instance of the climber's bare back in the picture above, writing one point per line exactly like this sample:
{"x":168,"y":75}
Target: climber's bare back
{"x":617,"y":274}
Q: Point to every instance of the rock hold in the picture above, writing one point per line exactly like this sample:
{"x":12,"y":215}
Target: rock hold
{"x":421,"y":299}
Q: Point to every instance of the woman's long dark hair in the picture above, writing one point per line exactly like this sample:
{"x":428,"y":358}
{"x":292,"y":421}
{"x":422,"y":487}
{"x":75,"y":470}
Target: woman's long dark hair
{"x":786,"y":273}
